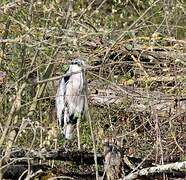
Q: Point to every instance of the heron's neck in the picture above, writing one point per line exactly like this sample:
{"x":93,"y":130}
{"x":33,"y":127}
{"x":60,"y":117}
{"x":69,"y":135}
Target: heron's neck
{"x":75,"y":68}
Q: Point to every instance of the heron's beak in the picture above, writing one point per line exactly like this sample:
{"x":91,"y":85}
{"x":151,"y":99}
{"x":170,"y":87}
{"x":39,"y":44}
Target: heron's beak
{"x":86,"y":66}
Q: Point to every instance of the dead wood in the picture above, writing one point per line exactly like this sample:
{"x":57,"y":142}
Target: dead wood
{"x":159,"y":55}
{"x":78,"y":157}
{"x":15,"y":171}
{"x":158,"y":169}
{"x":86,"y":158}
{"x":23,"y":170}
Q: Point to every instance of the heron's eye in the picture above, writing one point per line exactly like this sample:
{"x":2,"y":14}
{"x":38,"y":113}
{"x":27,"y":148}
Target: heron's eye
{"x":75,"y":62}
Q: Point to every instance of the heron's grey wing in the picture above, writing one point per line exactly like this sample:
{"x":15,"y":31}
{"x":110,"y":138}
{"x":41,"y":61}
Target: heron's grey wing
{"x":60,"y":100}
{"x":82,"y":95}
{"x":74,"y":102}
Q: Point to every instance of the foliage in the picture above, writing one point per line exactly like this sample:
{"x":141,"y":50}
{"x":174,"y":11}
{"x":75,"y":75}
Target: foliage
{"x":39,"y":38}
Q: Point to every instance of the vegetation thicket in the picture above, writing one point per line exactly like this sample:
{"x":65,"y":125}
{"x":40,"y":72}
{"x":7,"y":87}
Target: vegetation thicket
{"x":136,"y":77}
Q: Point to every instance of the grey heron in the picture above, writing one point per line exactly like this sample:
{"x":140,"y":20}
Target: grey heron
{"x":70,"y":99}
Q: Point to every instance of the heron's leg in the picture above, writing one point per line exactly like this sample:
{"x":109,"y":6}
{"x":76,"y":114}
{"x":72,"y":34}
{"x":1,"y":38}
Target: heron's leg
{"x":55,"y":147}
{"x":78,"y":134}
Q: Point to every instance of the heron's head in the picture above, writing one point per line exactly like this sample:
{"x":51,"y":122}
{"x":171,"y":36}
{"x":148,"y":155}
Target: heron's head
{"x":78,"y":62}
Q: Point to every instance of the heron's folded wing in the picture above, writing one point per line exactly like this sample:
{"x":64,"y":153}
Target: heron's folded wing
{"x":60,"y":99}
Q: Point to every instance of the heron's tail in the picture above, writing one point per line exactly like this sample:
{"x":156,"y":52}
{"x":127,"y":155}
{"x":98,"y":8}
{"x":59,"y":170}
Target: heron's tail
{"x":68,"y":131}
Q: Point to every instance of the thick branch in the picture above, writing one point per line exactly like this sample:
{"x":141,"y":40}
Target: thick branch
{"x":16,"y":170}
{"x":158,"y":169}
{"x":78,"y":157}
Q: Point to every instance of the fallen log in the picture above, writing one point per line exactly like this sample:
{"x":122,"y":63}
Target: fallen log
{"x":81,"y":157}
{"x":178,"y":166}
{"x":23,"y":170}
{"x":20,"y":171}
{"x":78,"y":157}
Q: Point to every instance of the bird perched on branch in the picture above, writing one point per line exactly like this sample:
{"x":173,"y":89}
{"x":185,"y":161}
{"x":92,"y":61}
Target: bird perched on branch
{"x":113,"y":161}
{"x":70,"y":99}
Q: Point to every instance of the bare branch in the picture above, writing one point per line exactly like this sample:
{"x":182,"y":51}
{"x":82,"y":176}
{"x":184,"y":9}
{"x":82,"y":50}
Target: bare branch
{"x":158,"y":169}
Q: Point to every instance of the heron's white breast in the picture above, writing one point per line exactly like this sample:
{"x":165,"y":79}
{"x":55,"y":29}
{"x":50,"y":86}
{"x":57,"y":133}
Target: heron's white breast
{"x":74,"y":89}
